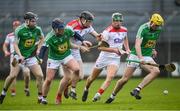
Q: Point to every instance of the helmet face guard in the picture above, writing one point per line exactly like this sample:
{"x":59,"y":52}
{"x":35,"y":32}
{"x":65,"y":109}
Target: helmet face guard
{"x":88,"y":16}
{"x":157,"y":19}
{"x":117,"y":17}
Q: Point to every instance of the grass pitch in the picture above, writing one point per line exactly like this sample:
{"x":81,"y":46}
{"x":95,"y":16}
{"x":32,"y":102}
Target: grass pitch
{"x":152,"y":97}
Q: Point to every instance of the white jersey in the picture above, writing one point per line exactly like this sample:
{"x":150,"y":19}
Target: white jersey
{"x":75,"y":25}
{"x":9,"y":40}
{"x":115,"y":38}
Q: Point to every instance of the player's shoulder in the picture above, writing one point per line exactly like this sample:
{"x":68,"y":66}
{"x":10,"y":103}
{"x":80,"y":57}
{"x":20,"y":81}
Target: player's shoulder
{"x":50,"y":35}
{"x":21,"y":26}
{"x":73,"y":23}
{"x":109,"y":28}
{"x":123,"y":29}
{"x":68,"y":30}
{"x":38,"y":27}
{"x":145,"y":25}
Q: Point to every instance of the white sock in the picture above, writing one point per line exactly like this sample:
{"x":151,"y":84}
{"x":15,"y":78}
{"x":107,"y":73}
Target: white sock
{"x":3,"y":92}
{"x":85,"y":89}
{"x":138,"y":89}
{"x":73,"y":89}
{"x":40,"y":97}
{"x":112,"y":96}
{"x":26,"y":89}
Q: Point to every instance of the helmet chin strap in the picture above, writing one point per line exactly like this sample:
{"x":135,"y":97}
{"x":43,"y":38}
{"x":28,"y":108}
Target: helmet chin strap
{"x":117,"y":27}
{"x":151,"y":24}
{"x":28,"y":24}
{"x":83,"y":23}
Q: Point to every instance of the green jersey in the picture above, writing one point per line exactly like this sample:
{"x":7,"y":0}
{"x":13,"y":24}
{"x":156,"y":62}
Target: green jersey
{"x":149,"y":39}
{"x":26,"y":38}
{"x":59,"y":45}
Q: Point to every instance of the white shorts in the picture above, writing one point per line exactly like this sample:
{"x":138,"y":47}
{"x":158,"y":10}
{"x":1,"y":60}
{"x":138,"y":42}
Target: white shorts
{"x":103,"y":62}
{"x":135,"y":57}
{"x":55,"y":64}
{"x":76,"y":54}
{"x":27,"y":62}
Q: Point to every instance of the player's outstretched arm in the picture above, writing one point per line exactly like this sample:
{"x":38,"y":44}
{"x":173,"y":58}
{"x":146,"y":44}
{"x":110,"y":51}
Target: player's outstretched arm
{"x":41,"y":41}
{"x":82,"y":48}
{"x":126,"y":45}
{"x":138,"y":47}
{"x":5,"y":49}
{"x":84,"y":42}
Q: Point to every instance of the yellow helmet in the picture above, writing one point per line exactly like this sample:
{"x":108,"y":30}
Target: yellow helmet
{"x":157,"y":19}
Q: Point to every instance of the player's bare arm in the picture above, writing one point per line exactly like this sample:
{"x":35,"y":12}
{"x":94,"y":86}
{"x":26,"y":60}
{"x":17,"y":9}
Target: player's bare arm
{"x":126,"y":45}
{"x":138,"y":47}
{"x":109,"y":49}
{"x":17,"y":50}
{"x":41,"y":41}
{"x":154,"y":53}
{"x":5,"y":49}
{"x":97,"y":35}
{"x":84,"y":42}
{"x":82,"y":48}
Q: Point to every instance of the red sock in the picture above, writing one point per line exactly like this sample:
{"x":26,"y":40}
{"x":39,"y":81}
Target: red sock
{"x":13,"y":90}
{"x":58,"y":96}
{"x":101,"y":91}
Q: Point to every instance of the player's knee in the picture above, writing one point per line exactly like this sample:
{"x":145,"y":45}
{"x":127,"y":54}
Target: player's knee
{"x":39,"y":77}
{"x":155,"y":71}
{"x":110,"y":77}
{"x":48,"y":81}
{"x":67,"y":77}
{"x":76,"y":72}
{"x":13,"y":76}
{"x":124,"y":79}
{"x":26,"y":73}
{"x":81,"y":78}
{"x":75,"y":68}
{"x":91,"y":78}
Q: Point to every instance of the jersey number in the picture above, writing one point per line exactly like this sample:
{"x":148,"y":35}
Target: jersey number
{"x":150,"y":44}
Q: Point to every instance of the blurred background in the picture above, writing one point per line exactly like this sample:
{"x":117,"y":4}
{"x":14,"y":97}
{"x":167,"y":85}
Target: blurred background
{"x":135,"y":12}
